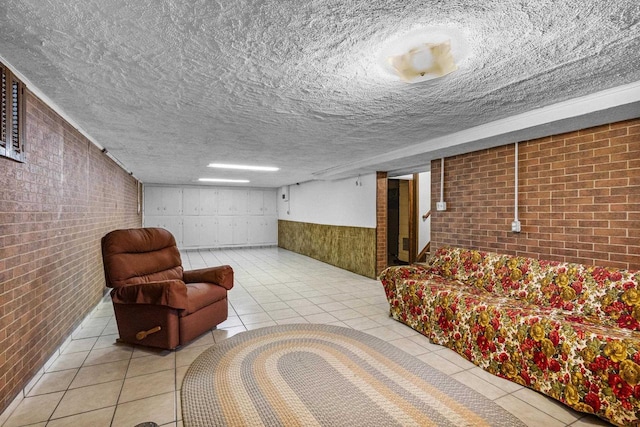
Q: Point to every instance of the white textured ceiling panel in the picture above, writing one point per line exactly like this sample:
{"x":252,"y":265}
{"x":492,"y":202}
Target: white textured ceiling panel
{"x":168,"y":86}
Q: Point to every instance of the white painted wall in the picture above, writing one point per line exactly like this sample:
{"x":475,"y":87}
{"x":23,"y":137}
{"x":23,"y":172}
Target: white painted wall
{"x":339,"y":202}
{"x":424,"y":227}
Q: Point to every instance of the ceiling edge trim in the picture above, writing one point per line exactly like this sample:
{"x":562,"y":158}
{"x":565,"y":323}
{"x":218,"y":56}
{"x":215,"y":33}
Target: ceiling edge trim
{"x":572,"y":108}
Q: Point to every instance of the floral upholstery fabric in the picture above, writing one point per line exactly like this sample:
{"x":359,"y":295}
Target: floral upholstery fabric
{"x":567,"y":330}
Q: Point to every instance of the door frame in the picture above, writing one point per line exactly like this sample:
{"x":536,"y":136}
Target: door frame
{"x":382,"y":207}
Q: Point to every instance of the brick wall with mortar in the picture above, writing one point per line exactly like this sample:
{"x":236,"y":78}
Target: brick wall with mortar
{"x":579,"y":198}
{"x":54,"y":208}
{"x":381,"y":221}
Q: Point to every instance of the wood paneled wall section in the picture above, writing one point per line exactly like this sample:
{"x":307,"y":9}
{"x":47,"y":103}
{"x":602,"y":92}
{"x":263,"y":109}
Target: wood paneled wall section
{"x":350,"y":248}
{"x":579,"y":198}
{"x":54,"y":208}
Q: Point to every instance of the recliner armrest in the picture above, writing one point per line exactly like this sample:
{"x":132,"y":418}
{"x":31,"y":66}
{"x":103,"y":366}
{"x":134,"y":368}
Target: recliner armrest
{"x":170,"y":293}
{"x":222,"y":276}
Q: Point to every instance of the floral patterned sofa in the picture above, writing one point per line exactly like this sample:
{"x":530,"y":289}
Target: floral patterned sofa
{"x":567,"y":330}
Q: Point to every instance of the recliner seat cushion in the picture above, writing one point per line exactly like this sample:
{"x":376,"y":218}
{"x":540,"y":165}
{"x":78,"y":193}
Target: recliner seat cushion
{"x":200,"y":295}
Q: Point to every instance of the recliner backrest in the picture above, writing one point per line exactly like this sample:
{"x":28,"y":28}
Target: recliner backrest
{"x":140,"y":255}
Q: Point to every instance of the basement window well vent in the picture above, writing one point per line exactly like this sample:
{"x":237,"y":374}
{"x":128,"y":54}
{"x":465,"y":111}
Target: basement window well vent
{"x":12,"y":114}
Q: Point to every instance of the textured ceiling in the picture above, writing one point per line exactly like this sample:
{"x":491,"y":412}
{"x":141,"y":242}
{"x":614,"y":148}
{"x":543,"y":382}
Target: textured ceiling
{"x":168,"y":86}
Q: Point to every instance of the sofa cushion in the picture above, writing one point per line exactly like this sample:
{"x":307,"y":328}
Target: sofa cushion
{"x":587,"y":290}
{"x":576,"y":359}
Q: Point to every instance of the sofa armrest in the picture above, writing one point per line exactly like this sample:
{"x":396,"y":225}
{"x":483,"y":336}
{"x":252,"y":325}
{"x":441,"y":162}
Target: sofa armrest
{"x":222,"y":276}
{"x":170,"y":293}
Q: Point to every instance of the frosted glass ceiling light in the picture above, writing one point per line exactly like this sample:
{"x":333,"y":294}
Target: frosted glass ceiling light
{"x":244,"y":167}
{"x":424,"y":54}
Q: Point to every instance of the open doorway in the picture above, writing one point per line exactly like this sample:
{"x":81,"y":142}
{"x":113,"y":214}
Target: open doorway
{"x":399,"y":233}
{"x":408,"y":218}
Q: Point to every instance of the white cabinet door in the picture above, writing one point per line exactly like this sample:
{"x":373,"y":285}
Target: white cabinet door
{"x":153,"y":221}
{"x":255,"y":203}
{"x":225,"y":202}
{"x":208,"y":201}
{"x":240,"y":230}
{"x":263,"y":230}
{"x":171,"y":201}
{"x":200,"y":201}
{"x":270,"y":203}
{"x":174,"y":225}
{"x":191,"y":231}
{"x":232,"y":202}
{"x":225,"y":230}
{"x":200,"y":231}
{"x":240,"y":202}
{"x":256,"y":230}
{"x":152,"y":201}
{"x":208,"y":231}
{"x":162,"y":201}
{"x":171,"y":223}
{"x":271,"y":230}
{"x":191,"y":201}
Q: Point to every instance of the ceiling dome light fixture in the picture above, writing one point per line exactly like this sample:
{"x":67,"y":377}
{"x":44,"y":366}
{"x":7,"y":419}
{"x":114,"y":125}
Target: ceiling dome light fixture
{"x":424,"y":54}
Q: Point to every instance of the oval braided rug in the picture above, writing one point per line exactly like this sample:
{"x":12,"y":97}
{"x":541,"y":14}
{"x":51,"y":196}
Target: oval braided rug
{"x":321,"y":375}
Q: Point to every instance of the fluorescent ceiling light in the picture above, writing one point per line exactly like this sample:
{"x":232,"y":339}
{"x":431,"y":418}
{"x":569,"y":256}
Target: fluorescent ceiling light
{"x":244,"y":167}
{"x":238,"y":181}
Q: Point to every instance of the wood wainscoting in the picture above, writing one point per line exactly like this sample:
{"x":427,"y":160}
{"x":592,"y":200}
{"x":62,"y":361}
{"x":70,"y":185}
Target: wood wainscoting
{"x":350,"y":248}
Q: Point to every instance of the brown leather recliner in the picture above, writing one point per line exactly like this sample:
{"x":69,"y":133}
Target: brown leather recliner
{"x":156,"y":303}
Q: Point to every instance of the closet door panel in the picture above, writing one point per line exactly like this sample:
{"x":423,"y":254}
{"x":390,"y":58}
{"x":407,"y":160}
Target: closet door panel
{"x":191,"y":231}
{"x":172,"y":201}
{"x":225,"y":230}
{"x":208,"y":201}
{"x":270,"y":203}
{"x":191,"y":201}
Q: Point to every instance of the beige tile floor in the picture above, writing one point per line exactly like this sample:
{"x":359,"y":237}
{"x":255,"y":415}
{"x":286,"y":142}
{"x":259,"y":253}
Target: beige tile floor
{"x":95,"y":382}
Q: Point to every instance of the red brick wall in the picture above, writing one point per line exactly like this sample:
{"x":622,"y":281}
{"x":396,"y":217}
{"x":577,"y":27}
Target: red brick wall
{"x":54,"y":208}
{"x":381,"y":221}
{"x":579,"y":198}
